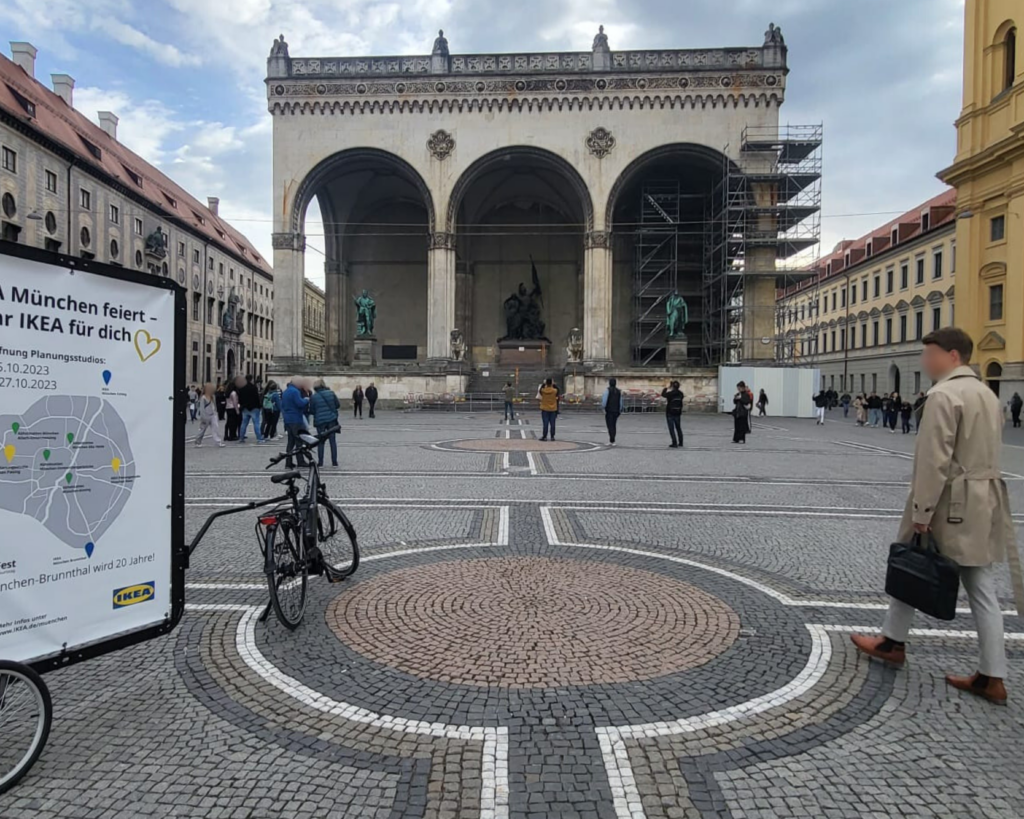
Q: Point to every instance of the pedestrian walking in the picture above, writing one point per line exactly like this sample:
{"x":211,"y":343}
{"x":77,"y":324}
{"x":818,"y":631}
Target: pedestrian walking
{"x":860,"y":406}
{"x":762,"y":403}
{"x":510,"y":397}
{"x":193,"y":403}
{"x":207,"y":412}
{"x":959,"y":499}
{"x":250,"y":402}
{"x":906,"y":413}
{"x":220,"y":395}
{"x":674,"y":397}
{"x":614,"y":404}
{"x":233,"y":412}
{"x":895,"y":407}
{"x":271,"y":410}
{"x":1016,"y":404}
{"x":294,"y":408}
{"x":324,"y":406}
{"x":548,"y":408}
{"x":357,"y":402}
{"x":821,"y":404}
{"x":845,"y":401}
{"x":741,"y":404}
{"x":371,"y":398}
{"x":874,"y":409}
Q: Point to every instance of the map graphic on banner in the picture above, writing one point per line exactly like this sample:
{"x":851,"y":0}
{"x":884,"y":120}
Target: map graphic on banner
{"x":67,"y":463}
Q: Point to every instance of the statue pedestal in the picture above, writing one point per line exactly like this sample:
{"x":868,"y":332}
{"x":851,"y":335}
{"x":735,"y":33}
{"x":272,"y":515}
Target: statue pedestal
{"x":364,"y":350}
{"x":524,"y":353}
{"x":677,"y":351}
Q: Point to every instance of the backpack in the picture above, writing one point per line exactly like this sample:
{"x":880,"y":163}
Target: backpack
{"x":268,"y":402}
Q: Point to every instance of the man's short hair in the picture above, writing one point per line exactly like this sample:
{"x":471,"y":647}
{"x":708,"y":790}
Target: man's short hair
{"x":950,"y":339}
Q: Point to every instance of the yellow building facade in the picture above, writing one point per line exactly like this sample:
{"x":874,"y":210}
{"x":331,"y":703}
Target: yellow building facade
{"x":988,"y":173}
{"x":314,"y":321}
{"x":861,"y":321}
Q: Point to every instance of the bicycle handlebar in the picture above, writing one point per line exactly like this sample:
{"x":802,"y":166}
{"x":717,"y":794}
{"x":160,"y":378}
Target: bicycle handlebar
{"x":306,"y":447}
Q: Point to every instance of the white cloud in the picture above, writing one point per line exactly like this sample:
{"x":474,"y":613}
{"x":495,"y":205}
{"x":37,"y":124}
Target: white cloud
{"x":129,"y":36}
{"x":145,"y":127}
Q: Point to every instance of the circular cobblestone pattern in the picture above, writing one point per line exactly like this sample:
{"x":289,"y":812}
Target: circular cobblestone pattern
{"x":517,"y":445}
{"x":532,"y":622}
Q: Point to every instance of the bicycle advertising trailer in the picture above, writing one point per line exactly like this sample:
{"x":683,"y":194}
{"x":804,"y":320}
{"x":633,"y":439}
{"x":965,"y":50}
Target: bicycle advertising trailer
{"x":92,"y":412}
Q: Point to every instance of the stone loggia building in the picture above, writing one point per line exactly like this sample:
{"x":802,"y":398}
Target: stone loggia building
{"x":621,"y":177}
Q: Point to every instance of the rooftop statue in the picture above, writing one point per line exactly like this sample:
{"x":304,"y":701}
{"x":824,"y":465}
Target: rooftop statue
{"x":600,"y":40}
{"x":279,"y":48}
{"x":440,"y":45}
{"x":773,"y":36}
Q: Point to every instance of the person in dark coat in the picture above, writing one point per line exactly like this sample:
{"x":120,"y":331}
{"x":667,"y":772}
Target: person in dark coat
{"x":357,"y":401}
{"x":906,"y":413}
{"x":613,"y":404}
{"x":1016,"y":404}
{"x":674,"y":413}
{"x":741,"y":404}
{"x":895,"y":407}
{"x":762,"y":403}
{"x":324,"y":406}
{"x":820,"y":405}
{"x":371,"y":398}
{"x":220,"y":397}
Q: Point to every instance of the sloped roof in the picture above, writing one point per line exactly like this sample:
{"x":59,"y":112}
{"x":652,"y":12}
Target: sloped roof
{"x":75,"y":132}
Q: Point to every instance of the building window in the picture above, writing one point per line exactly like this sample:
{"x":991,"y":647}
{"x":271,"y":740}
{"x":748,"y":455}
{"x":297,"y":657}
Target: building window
{"x":853,"y":338}
{"x":864,"y":290}
{"x":952,"y":315}
{"x":874,"y":382}
{"x":952,"y":258}
{"x":51,"y":245}
{"x":832,"y":340}
{"x":220,"y":269}
{"x":209,"y":264}
{"x":85,"y":237}
{"x":51,"y":181}
{"x":874,"y":333}
{"x":937,"y":264}
{"x":888,"y":331}
{"x":115,"y":215}
{"x":925,"y":222}
{"x":997,"y":228}
{"x":903,"y":328}
{"x":85,"y":199}
{"x":209,"y":311}
{"x":9,"y":206}
{"x":904,"y":277}
{"x":10,"y":160}
{"x":878,"y":286}
{"x":919,"y":279}
{"x":936,"y":318}
{"x":833,"y":300}
{"x":195,"y":256}
{"x":181,"y":248}
{"x":853,"y":294}
{"x":919,"y":325}
{"x":196,"y":299}
{"x":50,"y":221}
{"x":889,"y":275}
{"x":995,"y":303}
{"x":115,"y":250}
{"x":1009,"y":58}
{"x":138,"y":227}
{"x":9,"y":232}
{"x":138,"y":258}
{"x":863,"y":335}
{"x":917,"y":382}
{"x":842,"y":297}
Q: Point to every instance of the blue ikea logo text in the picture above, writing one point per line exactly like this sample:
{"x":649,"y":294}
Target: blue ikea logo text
{"x":130,"y":595}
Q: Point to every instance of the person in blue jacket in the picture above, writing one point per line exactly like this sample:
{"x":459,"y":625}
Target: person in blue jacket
{"x":614,"y":404}
{"x":294,"y":408}
{"x":324,"y":406}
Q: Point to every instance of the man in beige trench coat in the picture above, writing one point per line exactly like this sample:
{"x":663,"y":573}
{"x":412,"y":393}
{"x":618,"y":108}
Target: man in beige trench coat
{"x":958,"y":497}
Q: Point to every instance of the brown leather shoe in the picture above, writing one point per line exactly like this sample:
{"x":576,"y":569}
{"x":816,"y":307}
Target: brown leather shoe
{"x":989,"y":688}
{"x":872,"y":646}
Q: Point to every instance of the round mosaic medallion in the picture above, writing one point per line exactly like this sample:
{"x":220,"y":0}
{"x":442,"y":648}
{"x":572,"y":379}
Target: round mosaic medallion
{"x":529,"y":622}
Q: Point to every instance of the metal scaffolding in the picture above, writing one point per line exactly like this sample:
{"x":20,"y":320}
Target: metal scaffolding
{"x":655,"y":267}
{"x":762,"y":223}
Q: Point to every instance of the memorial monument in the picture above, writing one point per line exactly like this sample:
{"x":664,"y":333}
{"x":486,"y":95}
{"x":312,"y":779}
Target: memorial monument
{"x":677,"y":316}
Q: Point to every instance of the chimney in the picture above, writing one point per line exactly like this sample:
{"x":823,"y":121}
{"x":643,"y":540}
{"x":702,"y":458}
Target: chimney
{"x":63,"y":87}
{"x":24,"y":54}
{"x":108,"y":122}
{"x":213,"y":203}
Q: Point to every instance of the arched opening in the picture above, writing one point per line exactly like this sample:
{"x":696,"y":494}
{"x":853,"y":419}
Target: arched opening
{"x":1009,"y":58}
{"x":516,"y":212}
{"x":231,"y":365}
{"x":994,"y":375}
{"x":658,"y":214}
{"x":894,"y":379}
{"x":375,"y":215}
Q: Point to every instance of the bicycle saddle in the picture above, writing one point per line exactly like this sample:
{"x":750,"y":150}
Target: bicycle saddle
{"x":285,"y":477}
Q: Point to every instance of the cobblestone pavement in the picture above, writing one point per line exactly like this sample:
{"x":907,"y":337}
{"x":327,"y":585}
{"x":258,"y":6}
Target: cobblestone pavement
{"x":551,"y":631}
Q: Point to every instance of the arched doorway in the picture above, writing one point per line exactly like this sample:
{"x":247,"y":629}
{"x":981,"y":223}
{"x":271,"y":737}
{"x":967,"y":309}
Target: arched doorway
{"x":231,"y":364}
{"x":658,"y":213}
{"x":514,"y":212}
{"x":894,"y":379}
{"x":377,"y":215}
{"x":994,"y":375}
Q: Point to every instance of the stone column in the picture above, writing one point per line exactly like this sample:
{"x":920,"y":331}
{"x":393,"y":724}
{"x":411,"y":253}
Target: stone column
{"x":759,"y":281}
{"x":289,"y":268}
{"x":464,"y":305}
{"x":597,"y":298}
{"x":440,"y":296}
{"x":336,"y":327}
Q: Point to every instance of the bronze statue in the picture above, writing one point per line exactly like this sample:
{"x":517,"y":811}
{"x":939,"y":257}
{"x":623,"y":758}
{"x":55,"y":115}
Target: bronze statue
{"x":366,"y":314}
{"x":156,"y":243}
{"x":522,"y":311}
{"x":677,"y":315}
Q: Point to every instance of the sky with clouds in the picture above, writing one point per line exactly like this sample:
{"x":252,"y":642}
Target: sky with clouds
{"x":186,"y":77}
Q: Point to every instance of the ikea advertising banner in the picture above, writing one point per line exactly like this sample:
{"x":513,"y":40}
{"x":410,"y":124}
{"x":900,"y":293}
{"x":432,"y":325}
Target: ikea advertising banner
{"x":87,"y":422}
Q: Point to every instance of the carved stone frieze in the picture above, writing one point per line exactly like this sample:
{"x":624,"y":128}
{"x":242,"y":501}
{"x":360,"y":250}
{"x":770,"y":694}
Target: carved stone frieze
{"x":597,"y":238}
{"x":440,"y":144}
{"x":600,"y":142}
{"x":288,"y":241}
{"x":441,"y":241}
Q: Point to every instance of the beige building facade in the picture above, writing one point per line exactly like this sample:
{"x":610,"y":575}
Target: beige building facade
{"x":862,"y":319}
{"x":313,"y":322}
{"x":446,"y":180}
{"x":69,"y":186}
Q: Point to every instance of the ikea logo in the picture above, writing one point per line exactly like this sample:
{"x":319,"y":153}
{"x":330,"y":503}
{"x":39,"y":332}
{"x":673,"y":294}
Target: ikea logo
{"x":130,"y":595}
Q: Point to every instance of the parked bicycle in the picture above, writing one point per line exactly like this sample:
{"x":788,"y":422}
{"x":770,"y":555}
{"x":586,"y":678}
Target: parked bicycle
{"x":26,"y":713}
{"x":304,"y":534}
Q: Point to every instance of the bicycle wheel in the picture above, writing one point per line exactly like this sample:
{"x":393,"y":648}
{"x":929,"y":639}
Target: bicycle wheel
{"x":26,"y":712}
{"x":287,"y":579}
{"x":337,"y":540}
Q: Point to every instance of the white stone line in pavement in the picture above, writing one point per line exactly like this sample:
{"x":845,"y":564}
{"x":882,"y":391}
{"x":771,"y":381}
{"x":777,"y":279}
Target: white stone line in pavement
{"x":506,"y":461}
{"x":530,"y":461}
{"x":781,"y":597}
{"x":494,"y":773}
{"x":501,"y":540}
{"x":627,"y":802}
{"x":922,"y":632}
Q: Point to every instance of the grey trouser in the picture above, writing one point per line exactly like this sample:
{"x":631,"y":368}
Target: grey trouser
{"x":980,"y":584}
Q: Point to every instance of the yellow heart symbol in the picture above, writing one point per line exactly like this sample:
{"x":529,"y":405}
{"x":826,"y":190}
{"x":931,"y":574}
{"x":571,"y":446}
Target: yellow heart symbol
{"x":145,"y":345}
